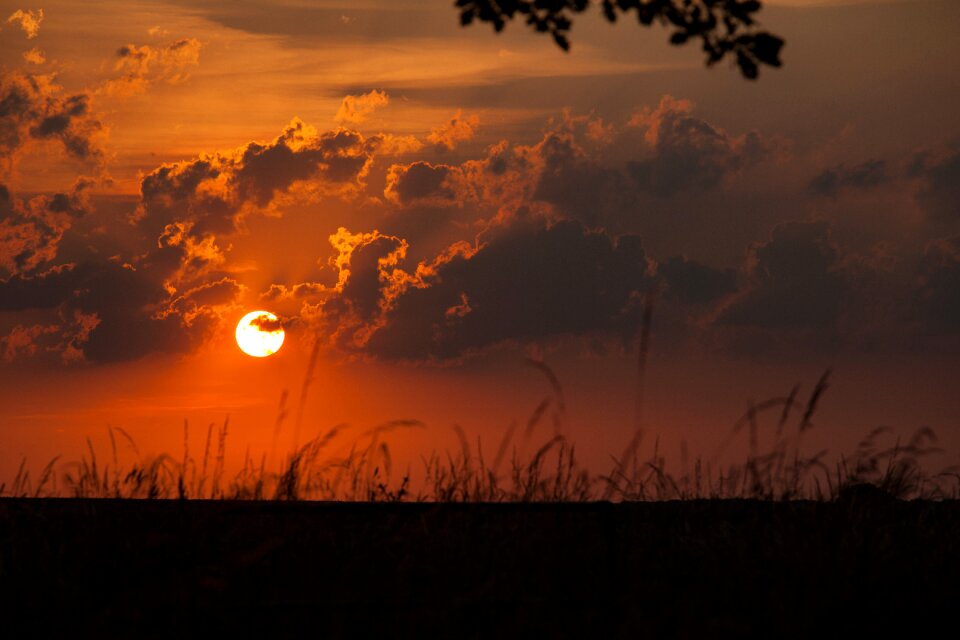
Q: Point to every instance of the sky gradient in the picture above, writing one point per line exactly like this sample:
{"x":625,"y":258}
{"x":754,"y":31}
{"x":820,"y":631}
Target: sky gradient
{"x":432,"y":205}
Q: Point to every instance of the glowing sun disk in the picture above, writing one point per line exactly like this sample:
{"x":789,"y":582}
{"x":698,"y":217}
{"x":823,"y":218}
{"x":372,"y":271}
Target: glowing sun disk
{"x":259,"y":334}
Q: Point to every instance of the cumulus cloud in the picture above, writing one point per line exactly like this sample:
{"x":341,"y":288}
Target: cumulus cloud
{"x":795,"y":281}
{"x":107,"y":311}
{"x":30,"y":232}
{"x":33,"y":108}
{"x":356,"y":109}
{"x":525,"y":282}
{"x":689,"y":153}
{"x":29,"y":21}
{"x":505,"y":178}
{"x":143,"y":65}
{"x":423,"y":183}
{"x":574,"y":182}
{"x":169,"y":295}
{"x":586,"y":169}
{"x":302,"y":291}
{"x":458,"y":129}
{"x":210,"y":194}
{"x":554,"y":174}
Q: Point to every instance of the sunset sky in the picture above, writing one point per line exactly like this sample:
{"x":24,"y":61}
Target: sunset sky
{"x":435,"y":204}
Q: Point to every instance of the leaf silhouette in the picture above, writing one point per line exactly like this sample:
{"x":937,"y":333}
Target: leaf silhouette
{"x":724,"y":27}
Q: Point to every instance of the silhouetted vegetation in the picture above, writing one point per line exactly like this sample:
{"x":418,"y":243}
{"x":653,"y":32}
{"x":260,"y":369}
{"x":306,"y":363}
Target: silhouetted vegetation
{"x":723,"y":27}
{"x":333,"y":467}
{"x":518,"y":540}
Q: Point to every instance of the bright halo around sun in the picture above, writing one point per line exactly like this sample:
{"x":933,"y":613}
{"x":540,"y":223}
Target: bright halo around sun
{"x":259,"y":334}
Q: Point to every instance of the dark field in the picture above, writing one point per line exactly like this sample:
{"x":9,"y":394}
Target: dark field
{"x":697,"y":568}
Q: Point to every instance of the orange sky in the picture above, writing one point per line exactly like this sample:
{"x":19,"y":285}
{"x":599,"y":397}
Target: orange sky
{"x":434,"y":204}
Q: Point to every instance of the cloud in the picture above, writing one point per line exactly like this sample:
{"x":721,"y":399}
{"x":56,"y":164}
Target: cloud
{"x":32,"y":108}
{"x":795,"y":281}
{"x":24,"y":341}
{"x":356,"y":109}
{"x":585,"y":169}
{"x":266,"y":324}
{"x":503,"y":180}
{"x":211,"y":194}
{"x":693,"y":283}
{"x":29,"y":21}
{"x":30,"y":232}
{"x":458,"y":129}
{"x":689,"y":153}
{"x":305,"y":290}
{"x":34,"y":56}
{"x":522,"y":283}
{"x":423,"y":183}
{"x":198,"y":300}
{"x":368,"y":275}
{"x":574,"y":182}
{"x":108,"y":312}
{"x":871,"y":173}
{"x":144,"y":65}
{"x":169,"y":295}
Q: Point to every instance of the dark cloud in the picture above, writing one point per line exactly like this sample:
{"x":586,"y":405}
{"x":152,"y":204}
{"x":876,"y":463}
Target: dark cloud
{"x":523,"y":283}
{"x":795,"y":281}
{"x":220,"y":292}
{"x":168,"y":295}
{"x":369,"y":279}
{"x":689,"y":153}
{"x":422,"y":182}
{"x":871,"y":173}
{"x":30,"y":232}
{"x":576,"y":184}
{"x":189,"y":206}
{"x":267,"y":324}
{"x":107,"y":312}
{"x":586,"y":169}
{"x":692,"y":283}
{"x":32,"y":108}
{"x":210,"y":194}
{"x":333,"y":158}
{"x":555,"y":171}
{"x":41,"y":291}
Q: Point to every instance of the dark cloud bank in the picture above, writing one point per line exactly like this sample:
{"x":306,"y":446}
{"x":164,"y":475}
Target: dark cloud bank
{"x":541,"y":261}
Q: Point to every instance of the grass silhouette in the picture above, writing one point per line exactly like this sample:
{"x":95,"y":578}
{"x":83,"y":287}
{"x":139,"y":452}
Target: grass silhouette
{"x":331,"y":468}
{"x":515,"y":540}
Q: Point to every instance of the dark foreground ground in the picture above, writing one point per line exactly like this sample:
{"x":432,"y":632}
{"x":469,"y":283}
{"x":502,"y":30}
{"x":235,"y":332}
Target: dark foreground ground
{"x":683,"y":569}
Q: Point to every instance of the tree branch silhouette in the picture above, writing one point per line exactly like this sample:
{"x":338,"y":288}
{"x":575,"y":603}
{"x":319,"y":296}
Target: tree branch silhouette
{"x":724,"y":27}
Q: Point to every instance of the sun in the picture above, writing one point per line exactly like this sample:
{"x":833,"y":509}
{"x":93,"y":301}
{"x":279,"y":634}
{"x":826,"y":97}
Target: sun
{"x":259,"y":334}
